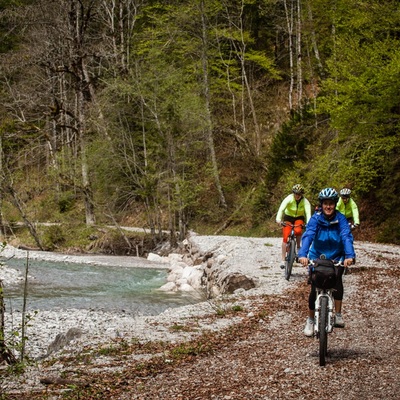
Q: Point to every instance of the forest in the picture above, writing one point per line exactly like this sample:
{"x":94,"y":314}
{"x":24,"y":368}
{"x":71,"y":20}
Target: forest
{"x":201,"y":115}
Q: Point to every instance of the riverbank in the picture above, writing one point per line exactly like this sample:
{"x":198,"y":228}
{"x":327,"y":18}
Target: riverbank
{"x":255,"y":257}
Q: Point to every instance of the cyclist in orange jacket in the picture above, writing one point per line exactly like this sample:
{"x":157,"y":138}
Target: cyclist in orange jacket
{"x":296,"y":209}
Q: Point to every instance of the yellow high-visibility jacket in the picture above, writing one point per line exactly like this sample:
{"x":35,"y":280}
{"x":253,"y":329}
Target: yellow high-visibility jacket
{"x":349,"y":210}
{"x":292,"y":208}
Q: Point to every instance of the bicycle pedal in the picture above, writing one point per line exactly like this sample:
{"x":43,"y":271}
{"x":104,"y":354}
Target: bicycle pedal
{"x":338,"y":326}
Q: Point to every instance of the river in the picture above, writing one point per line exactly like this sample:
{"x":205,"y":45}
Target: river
{"x":81,"y":285}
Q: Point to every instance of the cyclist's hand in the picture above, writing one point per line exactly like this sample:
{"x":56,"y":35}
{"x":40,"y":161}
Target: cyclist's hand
{"x":347,"y":262}
{"x":304,"y":261}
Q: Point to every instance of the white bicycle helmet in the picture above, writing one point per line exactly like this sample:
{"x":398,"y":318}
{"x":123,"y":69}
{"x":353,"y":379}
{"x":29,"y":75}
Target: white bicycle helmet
{"x":345,"y":192}
{"x":298,"y":189}
{"x":328,"y":194}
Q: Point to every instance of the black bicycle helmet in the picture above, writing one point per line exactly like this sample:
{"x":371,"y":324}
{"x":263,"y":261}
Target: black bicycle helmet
{"x":298,"y":189}
{"x":328,"y":194}
{"x":345,"y":192}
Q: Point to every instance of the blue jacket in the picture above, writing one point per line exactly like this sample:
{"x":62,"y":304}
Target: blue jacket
{"x":330,"y":237}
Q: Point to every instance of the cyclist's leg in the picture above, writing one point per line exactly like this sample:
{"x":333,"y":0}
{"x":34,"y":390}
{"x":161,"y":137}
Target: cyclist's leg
{"x":338,"y":292}
{"x":285,"y":233}
{"x":309,"y":328}
{"x":298,"y":231}
{"x":311,"y":301}
{"x":338,"y":297}
{"x":283,"y":250}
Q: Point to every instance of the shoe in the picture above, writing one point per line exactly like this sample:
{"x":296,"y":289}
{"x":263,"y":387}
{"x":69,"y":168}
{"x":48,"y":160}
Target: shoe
{"x":282,"y":266}
{"x":339,"y":323}
{"x":309,"y":328}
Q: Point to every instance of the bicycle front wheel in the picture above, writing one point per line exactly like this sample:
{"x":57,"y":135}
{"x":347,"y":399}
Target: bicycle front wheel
{"x":323,"y":331}
{"x":290,"y":256}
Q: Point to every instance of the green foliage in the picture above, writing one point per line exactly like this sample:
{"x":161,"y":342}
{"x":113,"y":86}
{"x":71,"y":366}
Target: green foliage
{"x":15,"y":342}
{"x":362,"y":98}
{"x":359,"y":99}
{"x":187,"y":349}
{"x":53,"y":237}
{"x":289,"y":145}
{"x":66,"y":202}
{"x":150,"y":105}
{"x":389,"y":231}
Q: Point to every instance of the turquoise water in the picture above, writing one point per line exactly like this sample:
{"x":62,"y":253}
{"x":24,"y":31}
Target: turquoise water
{"x":61,"y":285}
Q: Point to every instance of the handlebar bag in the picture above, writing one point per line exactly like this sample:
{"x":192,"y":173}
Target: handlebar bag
{"x":323,"y":274}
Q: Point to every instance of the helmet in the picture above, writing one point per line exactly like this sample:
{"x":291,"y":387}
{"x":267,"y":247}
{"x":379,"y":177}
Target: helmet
{"x":328,"y":194}
{"x":298,"y":189}
{"x":345,"y":192}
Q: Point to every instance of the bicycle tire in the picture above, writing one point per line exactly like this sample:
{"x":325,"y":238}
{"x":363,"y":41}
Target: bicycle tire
{"x":290,"y":256}
{"x":323,"y":331}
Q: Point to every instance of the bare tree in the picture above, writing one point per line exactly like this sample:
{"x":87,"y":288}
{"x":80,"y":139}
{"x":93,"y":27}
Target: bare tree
{"x":240,"y":47}
{"x":290,"y":27}
{"x":208,"y":118}
{"x":299,"y":57}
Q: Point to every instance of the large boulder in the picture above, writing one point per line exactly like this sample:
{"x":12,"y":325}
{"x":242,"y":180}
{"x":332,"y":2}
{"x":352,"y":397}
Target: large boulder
{"x":233,"y":281}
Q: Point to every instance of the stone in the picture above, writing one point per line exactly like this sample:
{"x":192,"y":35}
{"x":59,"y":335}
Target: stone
{"x":62,"y":339}
{"x":236,"y":280}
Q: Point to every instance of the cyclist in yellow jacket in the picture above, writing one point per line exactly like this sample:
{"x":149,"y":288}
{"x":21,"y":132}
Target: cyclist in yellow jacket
{"x":296,"y":209}
{"x":348,"y":207}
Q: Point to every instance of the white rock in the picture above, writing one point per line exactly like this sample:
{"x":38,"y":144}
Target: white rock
{"x":186,"y":288}
{"x":174,"y":257}
{"x":168,"y":287}
{"x":172,"y":277}
{"x":195,"y":278}
{"x":220,"y":259}
{"x":155,"y":258}
{"x":181,"y":281}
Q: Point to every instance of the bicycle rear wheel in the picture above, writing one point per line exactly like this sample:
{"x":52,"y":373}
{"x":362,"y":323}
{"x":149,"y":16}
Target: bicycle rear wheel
{"x":323,"y":334}
{"x":290,"y":256}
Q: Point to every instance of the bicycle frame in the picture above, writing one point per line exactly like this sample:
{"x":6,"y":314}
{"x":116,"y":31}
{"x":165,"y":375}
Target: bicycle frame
{"x":292,"y":234}
{"x":331,"y":305}
{"x":291,"y":248}
{"x":324,"y":317}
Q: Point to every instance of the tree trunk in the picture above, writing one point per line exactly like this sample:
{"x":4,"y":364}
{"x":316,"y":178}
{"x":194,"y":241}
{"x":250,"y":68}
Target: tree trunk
{"x":5,"y":354}
{"x":83,"y":90}
{"x":289,"y":24}
{"x":299,"y":58}
{"x":206,"y":93}
{"x":18,"y":204}
{"x":313,"y":38}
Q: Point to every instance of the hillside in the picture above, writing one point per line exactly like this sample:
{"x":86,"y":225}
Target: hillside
{"x":182,"y":115}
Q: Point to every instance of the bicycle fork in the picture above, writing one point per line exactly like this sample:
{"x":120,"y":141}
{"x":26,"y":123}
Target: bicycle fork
{"x":329,"y":327}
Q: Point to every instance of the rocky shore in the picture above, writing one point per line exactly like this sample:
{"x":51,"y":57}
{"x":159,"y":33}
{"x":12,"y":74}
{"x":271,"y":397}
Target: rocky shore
{"x":205,"y":258}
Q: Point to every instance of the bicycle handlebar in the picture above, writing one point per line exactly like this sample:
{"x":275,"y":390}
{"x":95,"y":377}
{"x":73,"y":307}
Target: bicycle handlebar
{"x":291,"y":225}
{"x":311,"y":263}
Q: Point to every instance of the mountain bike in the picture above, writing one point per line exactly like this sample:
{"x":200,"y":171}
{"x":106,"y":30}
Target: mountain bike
{"x":324,"y":318}
{"x":291,"y":249}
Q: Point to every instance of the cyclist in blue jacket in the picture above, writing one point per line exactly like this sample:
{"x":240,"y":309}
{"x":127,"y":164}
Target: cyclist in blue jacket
{"x":328,"y":233}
